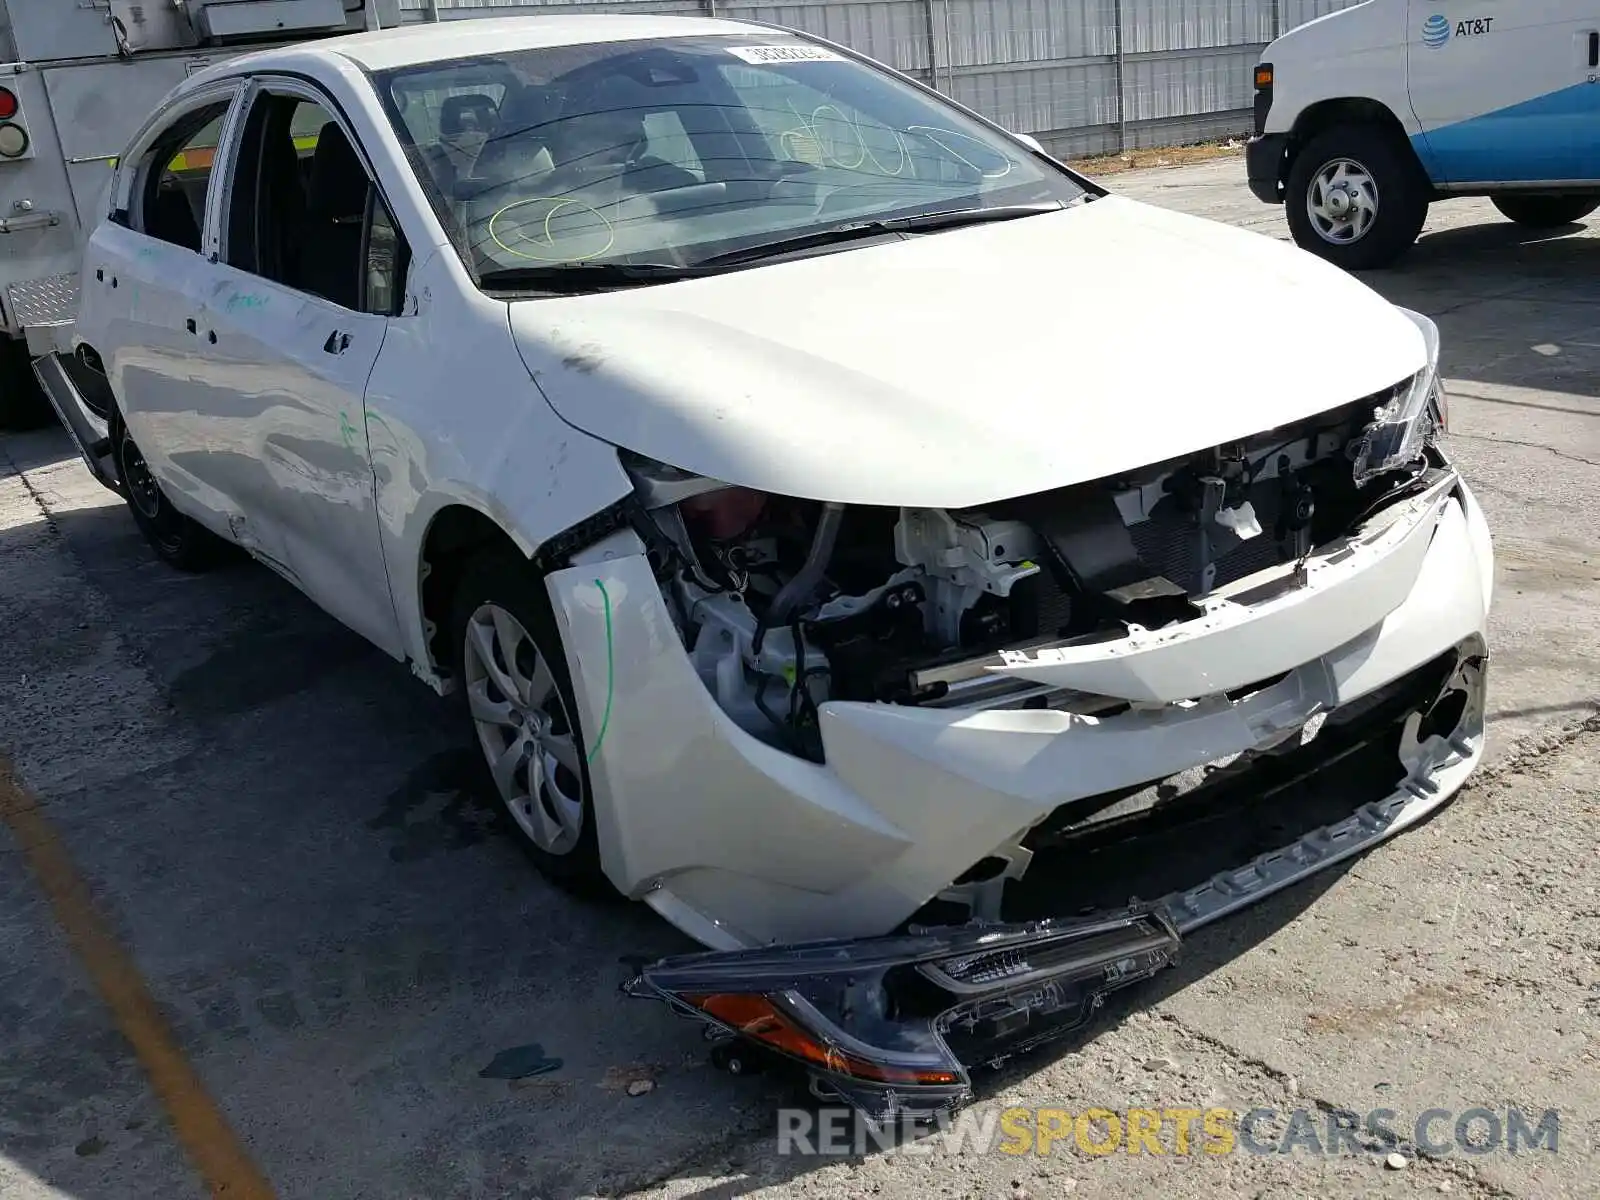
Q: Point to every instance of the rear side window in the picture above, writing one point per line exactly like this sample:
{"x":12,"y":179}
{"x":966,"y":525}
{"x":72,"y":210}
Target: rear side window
{"x":178,"y":174}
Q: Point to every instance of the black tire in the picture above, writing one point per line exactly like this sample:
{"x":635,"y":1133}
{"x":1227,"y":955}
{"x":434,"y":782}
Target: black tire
{"x":512,"y":584}
{"x":177,"y":540}
{"x":1401,"y":195}
{"x":1545,"y":212}
{"x":22,"y":403}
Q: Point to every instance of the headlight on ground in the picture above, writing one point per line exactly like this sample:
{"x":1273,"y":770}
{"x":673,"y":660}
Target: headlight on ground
{"x":1407,"y":423}
{"x":892,"y":1025}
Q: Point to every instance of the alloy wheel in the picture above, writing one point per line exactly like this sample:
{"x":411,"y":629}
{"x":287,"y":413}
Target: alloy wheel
{"x":524,"y":729}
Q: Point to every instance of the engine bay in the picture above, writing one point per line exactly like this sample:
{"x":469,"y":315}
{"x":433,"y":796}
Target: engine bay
{"x":784,"y":604}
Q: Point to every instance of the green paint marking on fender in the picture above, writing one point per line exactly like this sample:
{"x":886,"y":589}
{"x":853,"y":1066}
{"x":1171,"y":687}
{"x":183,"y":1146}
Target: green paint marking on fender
{"x":347,"y":431}
{"x":611,"y":678}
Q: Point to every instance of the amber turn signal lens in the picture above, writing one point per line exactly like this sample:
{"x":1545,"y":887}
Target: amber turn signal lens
{"x":758,"y":1019}
{"x":1263,"y":76}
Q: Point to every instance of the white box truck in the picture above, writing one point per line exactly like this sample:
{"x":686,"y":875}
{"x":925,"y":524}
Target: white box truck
{"x":77,"y":77}
{"x":1366,"y":116}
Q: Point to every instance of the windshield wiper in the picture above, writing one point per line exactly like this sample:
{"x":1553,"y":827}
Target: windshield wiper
{"x":585,"y":276}
{"x":848,"y":231}
{"x":601,"y":276}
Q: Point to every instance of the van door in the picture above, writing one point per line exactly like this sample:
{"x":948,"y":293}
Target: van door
{"x":1501,"y":89}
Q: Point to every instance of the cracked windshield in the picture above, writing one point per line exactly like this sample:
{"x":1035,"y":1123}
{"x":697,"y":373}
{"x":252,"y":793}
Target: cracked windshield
{"x":672,"y":154}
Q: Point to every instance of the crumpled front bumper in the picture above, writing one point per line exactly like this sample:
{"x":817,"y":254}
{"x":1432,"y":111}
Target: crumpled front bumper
{"x":742,"y":845}
{"x":896,"y":1026}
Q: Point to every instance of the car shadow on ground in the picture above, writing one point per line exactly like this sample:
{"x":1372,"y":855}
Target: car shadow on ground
{"x":1515,"y":307}
{"x":1563,"y":250}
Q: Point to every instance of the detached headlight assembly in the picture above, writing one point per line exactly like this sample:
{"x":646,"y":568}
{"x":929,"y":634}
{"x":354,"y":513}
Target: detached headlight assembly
{"x":892,"y":1025}
{"x":1409,"y":418}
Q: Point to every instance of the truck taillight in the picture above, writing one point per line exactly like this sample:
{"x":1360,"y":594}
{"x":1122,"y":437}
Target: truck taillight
{"x":14,"y":141}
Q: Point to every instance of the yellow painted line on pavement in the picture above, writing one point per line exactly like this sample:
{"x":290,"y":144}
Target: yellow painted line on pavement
{"x":212,"y":1146}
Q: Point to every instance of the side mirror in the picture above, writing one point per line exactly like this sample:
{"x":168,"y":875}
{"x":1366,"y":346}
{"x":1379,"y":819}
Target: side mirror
{"x":1031,"y":142}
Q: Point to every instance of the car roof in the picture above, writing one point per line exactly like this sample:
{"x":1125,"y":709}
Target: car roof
{"x":411,"y":45}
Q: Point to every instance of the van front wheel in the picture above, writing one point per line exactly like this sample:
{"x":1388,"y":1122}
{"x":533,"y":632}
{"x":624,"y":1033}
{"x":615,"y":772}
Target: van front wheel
{"x":1545,"y":212}
{"x":1356,"y":197}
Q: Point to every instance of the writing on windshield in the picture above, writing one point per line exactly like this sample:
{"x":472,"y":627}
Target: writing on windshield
{"x":678,"y":150}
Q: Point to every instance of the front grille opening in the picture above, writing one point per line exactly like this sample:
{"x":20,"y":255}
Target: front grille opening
{"x":1441,"y":720}
{"x":1250,"y":689}
{"x":1103,"y":851}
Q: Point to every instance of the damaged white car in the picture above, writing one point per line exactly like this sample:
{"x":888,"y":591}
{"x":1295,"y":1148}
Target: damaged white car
{"x":844,"y":528}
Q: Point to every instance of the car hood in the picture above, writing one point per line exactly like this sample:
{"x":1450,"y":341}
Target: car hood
{"x":952,"y":369}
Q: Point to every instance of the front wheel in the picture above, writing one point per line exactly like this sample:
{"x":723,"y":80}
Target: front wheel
{"x":177,"y":540}
{"x":1356,"y":197}
{"x":523,"y":716}
{"x":1545,"y":212}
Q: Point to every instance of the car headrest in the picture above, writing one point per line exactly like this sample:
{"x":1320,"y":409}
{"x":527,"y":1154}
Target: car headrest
{"x":455,"y":108}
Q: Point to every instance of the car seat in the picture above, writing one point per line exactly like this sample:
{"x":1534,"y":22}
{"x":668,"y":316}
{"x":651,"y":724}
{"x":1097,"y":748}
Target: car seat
{"x":465,"y":123}
{"x":336,"y":206}
{"x":170,"y":217}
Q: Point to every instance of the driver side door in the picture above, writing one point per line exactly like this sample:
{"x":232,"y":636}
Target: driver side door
{"x":297,"y":306}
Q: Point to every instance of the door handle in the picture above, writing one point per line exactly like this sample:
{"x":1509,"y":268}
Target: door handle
{"x":1594,"y":49}
{"x":337,"y":343}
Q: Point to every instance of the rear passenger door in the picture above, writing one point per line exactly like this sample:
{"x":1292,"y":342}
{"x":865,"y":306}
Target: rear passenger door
{"x":308,"y":273}
{"x":142,"y":273}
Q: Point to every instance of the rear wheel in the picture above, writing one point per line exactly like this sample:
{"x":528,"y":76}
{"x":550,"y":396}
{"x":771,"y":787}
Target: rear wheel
{"x":523,"y":717}
{"x":1356,"y":197}
{"x":1545,"y":212}
{"x":176,"y":539}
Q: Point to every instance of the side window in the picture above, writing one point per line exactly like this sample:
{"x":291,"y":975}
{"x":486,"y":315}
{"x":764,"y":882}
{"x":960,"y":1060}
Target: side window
{"x":383,"y":260}
{"x":666,"y":138}
{"x":177,"y":175}
{"x":304,"y":212}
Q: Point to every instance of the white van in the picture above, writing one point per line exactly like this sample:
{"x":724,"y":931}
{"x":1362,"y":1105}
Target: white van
{"x":1365,"y":116}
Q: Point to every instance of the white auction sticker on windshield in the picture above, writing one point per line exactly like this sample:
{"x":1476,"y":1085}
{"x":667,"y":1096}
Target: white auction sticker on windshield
{"x":793,"y":52}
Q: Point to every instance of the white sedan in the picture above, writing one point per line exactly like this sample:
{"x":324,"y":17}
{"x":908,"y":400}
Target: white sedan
{"x":839,"y":525}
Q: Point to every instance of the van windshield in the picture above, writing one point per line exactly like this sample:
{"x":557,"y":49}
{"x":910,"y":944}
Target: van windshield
{"x":670,"y":152}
